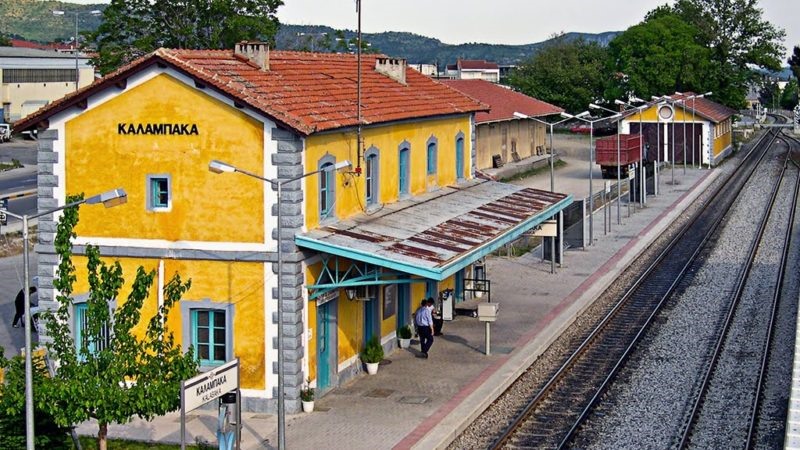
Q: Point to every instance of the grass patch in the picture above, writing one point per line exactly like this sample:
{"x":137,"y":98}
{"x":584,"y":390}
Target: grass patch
{"x":14,"y":164}
{"x":11,"y":243}
{"x":90,"y":443}
{"x":535,"y":171}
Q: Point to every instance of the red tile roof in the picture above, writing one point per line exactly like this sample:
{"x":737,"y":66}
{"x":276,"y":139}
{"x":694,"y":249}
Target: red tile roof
{"x":22,"y":43}
{"x":503,"y":101}
{"x":705,"y":107}
{"x":477,"y":64}
{"x":308,"y":92}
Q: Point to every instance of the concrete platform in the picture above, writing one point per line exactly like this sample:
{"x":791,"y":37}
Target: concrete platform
{"x":424,"y":403}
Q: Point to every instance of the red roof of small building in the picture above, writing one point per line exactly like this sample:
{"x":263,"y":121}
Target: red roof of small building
{"x":308,"y":92}
{"x":477,"y":64}
{"x":705,"y":107}
{"x":22,"y":43}
{"x":503,"y":101}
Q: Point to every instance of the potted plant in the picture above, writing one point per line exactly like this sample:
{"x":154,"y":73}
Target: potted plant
{"x":372,"y":355}
{"x":404,"y":336}
{"x":307,"y":397}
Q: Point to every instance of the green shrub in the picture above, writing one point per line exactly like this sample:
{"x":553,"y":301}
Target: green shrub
{"x":307,"y":392}
{"x":373,"y":352}
{"x":404,"y":332}
{"x":12,"y":409}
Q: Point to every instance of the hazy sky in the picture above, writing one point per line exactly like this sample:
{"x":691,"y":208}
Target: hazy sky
{"x":498,"y":21}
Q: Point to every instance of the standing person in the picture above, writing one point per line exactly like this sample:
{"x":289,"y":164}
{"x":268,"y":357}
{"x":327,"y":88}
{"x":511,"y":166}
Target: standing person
{"x":424,"y":322}
{"x":19,"y":306}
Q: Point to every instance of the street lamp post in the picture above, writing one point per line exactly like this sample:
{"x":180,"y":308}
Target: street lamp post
{"x":591,"y":162}
{"x":58,"y":12}
{"x":221,"y":167}
{"x":643,"y":177}
{"x":663,"y":101}
{"x":552,"y":154}
{"x":619,"y":172}
{"x":109,"y":199}
{"x":552,"y":178}
{"x":693,"y":97}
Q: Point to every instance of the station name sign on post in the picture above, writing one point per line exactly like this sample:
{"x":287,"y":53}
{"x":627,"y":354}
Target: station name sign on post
{"x":210,"y":385}
{"x":206,"y":387}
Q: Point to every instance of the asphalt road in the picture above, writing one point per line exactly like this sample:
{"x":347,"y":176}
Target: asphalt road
{"x":19,"y":149}
{"x":11,"y":274}
{"x":16,"y":180}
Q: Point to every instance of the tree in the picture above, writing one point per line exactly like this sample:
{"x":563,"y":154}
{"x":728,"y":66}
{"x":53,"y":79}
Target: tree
{"x":113,"y":373}
{"x":739,"y":39}
{"x":789,"y":95}
{"x":770,"y":93}
{"x":567,"y":73}
{"x":794,"y":62}
{"x":659,"y":56}
{"x":12,"y":407}
{"x":132,"y":28}
{"x":5,"y":41}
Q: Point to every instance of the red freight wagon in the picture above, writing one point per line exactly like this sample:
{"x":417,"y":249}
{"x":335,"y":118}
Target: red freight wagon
{"x":606,"y":153}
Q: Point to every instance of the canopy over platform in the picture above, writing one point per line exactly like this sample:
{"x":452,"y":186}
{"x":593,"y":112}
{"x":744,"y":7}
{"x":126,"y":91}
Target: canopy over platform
{"x":435,"y":235}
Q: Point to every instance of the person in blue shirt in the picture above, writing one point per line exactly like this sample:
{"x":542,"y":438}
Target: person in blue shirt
{"x":423,"y":319}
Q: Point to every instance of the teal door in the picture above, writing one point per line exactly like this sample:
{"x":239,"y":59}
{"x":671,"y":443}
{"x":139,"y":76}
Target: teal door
{"x":403,"y":167}
{"x":460,"y":158}
{"x":459,"y":291}
{"x":325,"y":345}
{"x":370,"y":319}
{"x":403,"y":305}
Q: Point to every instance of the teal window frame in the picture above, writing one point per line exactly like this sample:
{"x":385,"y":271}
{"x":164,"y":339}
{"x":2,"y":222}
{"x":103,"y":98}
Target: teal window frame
{"x":371,"y":176}
{"x":460,"y":156}
{"x":159,"y":192}
{"x":404,"y":170}
{"x":212,"y":340}
{"x":432,"y":153}
{"x":80,"y":324}
{"x":327,"y":188}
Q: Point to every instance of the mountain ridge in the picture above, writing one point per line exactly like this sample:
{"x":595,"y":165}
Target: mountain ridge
{"x":33,"y":20}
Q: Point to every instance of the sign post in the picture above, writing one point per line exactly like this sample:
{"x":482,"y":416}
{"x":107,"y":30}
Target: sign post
{"x":548,"y":228}
{"x":209,"y":386}
{"x":3,"y":209}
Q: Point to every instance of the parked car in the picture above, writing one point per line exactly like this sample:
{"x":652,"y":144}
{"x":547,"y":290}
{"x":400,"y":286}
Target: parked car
{"x":5,"y":132}
{"x":585,"y":128}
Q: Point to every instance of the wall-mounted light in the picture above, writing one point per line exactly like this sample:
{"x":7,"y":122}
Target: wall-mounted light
{"x":351,"y":292}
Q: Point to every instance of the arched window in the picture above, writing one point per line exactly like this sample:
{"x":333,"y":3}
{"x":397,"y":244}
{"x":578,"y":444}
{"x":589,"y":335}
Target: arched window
{"x":460,"y":156}
{"x":327,"y":187}
{"x":371,"y":173}
{"x":432,"y":144}
{"x":404,"y":169}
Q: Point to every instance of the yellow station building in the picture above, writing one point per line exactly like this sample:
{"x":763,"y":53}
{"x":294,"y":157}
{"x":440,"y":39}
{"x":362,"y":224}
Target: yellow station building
{"x":360,"y":246}
{"x":685,"y":127}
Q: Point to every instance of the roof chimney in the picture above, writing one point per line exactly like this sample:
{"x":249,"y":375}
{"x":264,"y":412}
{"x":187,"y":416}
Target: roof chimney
{"x":394,"y":68}
{"x":256,"y":52}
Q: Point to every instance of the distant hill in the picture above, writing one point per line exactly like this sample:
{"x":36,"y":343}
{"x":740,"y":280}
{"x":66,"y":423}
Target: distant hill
{"x":34,"y":20}
{"x":421,"y":49}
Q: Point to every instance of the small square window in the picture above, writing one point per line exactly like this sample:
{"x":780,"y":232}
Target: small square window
{"x":159,"y":195}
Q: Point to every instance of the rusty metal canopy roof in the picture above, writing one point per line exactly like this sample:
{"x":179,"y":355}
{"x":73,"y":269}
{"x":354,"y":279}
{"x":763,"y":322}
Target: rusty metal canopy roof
{"x":436,"y":234}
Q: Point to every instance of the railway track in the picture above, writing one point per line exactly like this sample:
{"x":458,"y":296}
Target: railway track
{"x":552,"y":417}
{"x":724,"y":410}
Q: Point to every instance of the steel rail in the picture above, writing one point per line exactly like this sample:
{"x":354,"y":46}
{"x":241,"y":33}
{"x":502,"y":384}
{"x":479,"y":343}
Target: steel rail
{"x":582,"y":348}
{"x":743,"y":278}
{"x":776,"y":299}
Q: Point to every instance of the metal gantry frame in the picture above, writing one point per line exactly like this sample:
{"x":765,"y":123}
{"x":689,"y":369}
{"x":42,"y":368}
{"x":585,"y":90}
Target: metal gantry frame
{"x":356,"y":274}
